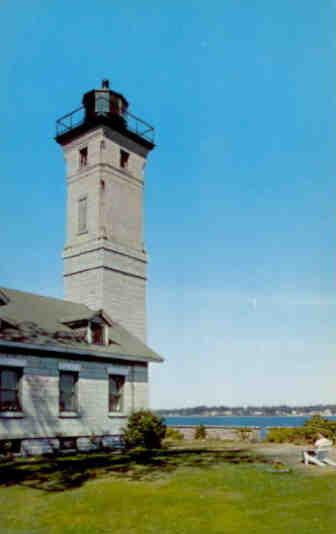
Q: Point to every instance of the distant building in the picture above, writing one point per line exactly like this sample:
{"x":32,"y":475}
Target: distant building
{"x":76,"y":367}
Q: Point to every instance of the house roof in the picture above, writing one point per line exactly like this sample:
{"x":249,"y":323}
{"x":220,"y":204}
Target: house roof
{"x":54,"y":324}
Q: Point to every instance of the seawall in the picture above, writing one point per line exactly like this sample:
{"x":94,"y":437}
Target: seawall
{"x":220,"y":432}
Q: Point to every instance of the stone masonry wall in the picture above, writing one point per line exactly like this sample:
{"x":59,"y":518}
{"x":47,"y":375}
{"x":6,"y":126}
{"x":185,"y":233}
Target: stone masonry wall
{"x":112,"y":281}
{"x":123,"y":297}
{"x":220,"y":432}
{"x":40,"y":399}
{"x":105,"y":266}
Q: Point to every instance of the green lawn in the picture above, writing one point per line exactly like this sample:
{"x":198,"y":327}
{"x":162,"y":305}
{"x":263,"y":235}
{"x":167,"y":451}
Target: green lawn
{"x":186,"y":491}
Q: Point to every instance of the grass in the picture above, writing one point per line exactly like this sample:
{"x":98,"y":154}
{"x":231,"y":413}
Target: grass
{"x":180,"y":490}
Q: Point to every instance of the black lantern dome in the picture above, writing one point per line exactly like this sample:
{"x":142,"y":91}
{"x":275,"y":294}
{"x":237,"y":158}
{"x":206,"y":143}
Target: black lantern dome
{"x":107,"y":103}
{"x":104,"y":107}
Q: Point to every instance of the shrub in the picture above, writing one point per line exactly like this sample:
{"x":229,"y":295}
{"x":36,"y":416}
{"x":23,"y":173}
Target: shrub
{"x":200,"y":432}
{"x":286,"y":435}
{"x":6,"y":447}
{"x":317,"y":424}
{"x":144,"y":429}
{"x":173,"y":434}
{"x":303,"y":434}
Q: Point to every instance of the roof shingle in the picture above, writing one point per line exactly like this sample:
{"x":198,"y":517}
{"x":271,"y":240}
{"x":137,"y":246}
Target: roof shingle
{"x":44,"y":321}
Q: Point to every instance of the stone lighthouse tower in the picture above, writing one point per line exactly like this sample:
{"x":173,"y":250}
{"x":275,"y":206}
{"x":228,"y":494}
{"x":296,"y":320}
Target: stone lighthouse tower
{"x":105,"y":150}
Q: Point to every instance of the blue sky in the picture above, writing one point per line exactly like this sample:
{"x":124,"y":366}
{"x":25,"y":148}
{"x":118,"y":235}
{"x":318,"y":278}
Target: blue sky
{"x":240,"y":191}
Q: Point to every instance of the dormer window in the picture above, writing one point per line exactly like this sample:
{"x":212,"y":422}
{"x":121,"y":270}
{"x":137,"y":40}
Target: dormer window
{"x":7,"y":323}
{"x":97,"y":333}
{"x":3,"y":299}
{"x":95,"y":330}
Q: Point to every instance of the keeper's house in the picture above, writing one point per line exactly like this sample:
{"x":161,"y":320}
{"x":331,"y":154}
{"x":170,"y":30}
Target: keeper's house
{"x":65,"y":370}
{"x":74,"y":368}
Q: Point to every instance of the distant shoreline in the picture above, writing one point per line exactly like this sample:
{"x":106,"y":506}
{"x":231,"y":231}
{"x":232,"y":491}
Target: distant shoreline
{"x":260,"y":421}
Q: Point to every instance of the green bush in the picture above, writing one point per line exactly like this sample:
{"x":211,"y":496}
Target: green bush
{"x":286,"y":435}
{"x":200,"y":432}
{"x":307,"y":433}
{"x":173,"y":434}
{"x":144,"y":430}
{"x":318,"y":424}
{"x":6,"y":447}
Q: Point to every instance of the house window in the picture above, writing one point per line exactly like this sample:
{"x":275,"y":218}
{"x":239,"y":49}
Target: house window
{"x":116,"y":388}
{"x":124,"y":156}
{"x":97,"y":333}
{"x":68,"y":391}
{"x":82,"y":215}
{"x":83,"y":156}
{"x":10,"y":389}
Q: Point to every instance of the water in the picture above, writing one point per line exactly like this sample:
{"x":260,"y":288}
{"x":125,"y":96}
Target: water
{"x":263,"y":422}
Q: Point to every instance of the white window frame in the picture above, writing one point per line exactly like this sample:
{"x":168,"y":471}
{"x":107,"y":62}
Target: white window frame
{"x":122,"y":372}
{"x":89,"y":336}
{"x":75,"y":411}
{"x":6,"y":364}
{"x":120,"y":395}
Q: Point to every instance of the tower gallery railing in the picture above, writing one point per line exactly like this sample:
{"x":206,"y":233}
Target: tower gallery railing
{"x":79,"y":116}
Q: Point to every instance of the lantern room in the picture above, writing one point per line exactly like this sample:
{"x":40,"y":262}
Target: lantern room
{"x":104,"y":107}
{"x":105,"y":102}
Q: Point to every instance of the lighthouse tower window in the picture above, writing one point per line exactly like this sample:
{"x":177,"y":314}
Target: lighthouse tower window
{"x":124,"y":157}
{"x":82,"y":215}
{"x":83,"y":157}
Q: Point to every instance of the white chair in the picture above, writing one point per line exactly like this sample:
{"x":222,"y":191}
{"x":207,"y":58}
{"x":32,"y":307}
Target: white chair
{"x":319,"y":455}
